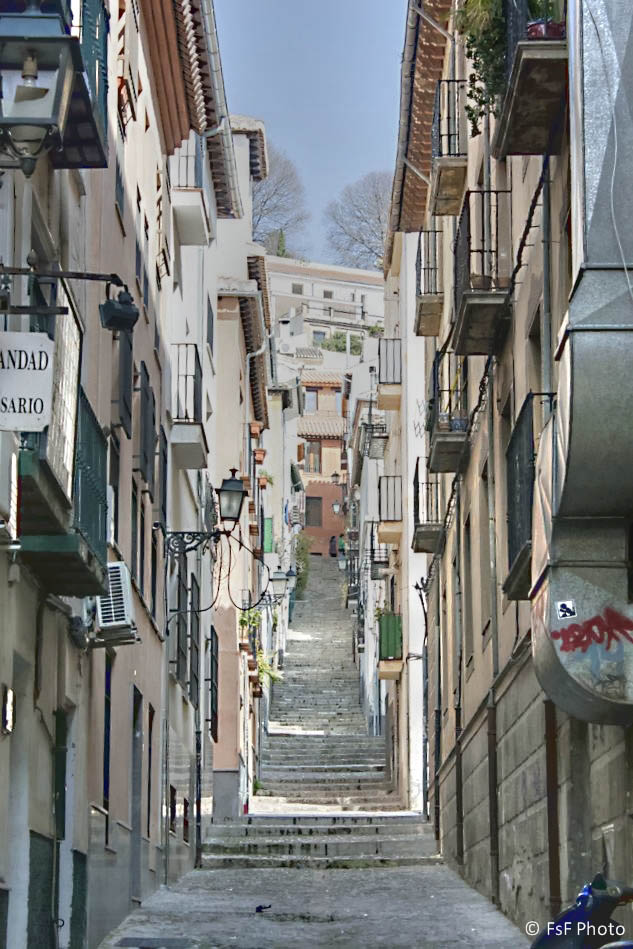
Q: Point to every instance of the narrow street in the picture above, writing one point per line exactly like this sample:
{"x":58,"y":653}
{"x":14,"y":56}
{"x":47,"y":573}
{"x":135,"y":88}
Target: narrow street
{"x":326,"y":854}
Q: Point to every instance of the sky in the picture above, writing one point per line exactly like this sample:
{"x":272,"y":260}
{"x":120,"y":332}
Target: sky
{"x":325,"y":78}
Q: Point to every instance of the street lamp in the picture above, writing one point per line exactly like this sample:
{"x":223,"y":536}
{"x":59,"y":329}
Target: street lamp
{"x":292,"y":579}
{"x":231,"y":497}
{"x":38,"y":65}
{"x":279,"y":582}
{"x":336,"y":507}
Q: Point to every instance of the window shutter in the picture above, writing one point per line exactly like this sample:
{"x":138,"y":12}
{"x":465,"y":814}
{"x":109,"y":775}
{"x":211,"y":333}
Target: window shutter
{"x":126,"y":381}
{"x":145,"y":422}
{"x":194,"y":640}
{"x":268,"y":535}
{"x":150,"y":431}
{"x":163,"y":471}
{"x":181,"y":642}
{"x":130,"y":59}
{"x":301,"y":451}
{"x":214,"y":655}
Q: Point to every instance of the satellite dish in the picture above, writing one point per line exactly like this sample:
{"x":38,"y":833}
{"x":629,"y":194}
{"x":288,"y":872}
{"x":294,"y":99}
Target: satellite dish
{"x":284,"y":348}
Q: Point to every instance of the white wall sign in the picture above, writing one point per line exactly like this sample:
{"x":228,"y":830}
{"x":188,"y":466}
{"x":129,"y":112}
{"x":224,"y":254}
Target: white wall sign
{"x":26,"y":381}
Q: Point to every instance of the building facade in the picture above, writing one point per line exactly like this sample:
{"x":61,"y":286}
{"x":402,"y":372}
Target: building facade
{"x":522,"y":287}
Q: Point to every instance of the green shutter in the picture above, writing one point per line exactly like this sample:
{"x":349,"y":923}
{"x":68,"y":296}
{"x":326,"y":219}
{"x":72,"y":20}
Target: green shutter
{"x":268,"y":535}
{"x":390,"y":627}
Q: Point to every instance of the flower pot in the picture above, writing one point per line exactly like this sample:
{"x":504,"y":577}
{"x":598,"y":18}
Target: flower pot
{"x":258,"y":692}
{"x":260,"y":454}
{"x":252,"y":663}
{"x":251,"y":507}
{"x":256,"y":429}
{"x":246,"y":481}
{"x":253,"y":528}
{"x":480,"y":281}
{"x":263,"y":483}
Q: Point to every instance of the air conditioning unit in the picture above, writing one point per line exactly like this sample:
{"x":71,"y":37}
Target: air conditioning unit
{"x":115,"y":612}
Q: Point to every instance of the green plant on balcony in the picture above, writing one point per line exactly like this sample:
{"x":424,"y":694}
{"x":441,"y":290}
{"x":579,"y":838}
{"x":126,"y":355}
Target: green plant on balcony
{"x":264,"y":474}
{"x":265,"y":668}
{"x":483,"y":24}
{"x":250,"y":620}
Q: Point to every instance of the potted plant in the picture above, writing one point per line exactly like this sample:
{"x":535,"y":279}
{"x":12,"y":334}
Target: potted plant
{"x":265,"y":479}
{"x":260,"y":454}
{"x":265,"y":668}
{"x":256,"y":429}
{"x":483,"y":24}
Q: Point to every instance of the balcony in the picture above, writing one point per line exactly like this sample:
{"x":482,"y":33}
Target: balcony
{"x":520,"y":467}
{"x":531,"y":117}
{"x":187,"y":193}
{"x":389,"y":374}
{"x":449,"y":141}
{"x":429,"y":284}
{"x":447,"y":416}
{"x":390,"y":659}
{"x":390,"y":509}
{"x":378,"y":555}
{"x":353,"y":574}
{"x":188,"y":439}
{"x":482,"y":274}
{"x":428,"y":527}
{"x":66,"y":547}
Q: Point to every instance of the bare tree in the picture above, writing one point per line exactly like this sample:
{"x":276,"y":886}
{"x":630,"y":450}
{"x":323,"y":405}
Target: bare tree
{"x":279,"y":211}
{"x":357,"y":221}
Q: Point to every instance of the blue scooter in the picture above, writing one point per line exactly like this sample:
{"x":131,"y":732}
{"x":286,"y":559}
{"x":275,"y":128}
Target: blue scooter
{"x":587,"y":923}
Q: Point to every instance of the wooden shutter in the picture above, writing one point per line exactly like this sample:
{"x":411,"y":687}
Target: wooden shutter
{"x":301,"y":451}
{"x":126,"y":381}
{"x":163,"y":474}
{"x":214,"y":656}
{"x":194,"y":643}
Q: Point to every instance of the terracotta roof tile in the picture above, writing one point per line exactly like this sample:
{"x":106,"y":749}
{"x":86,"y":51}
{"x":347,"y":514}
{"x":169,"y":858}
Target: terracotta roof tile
{"x":321,"y":426}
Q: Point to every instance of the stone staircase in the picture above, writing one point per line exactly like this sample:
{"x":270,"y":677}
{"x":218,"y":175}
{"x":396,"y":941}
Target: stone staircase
{"x":318,"y":757}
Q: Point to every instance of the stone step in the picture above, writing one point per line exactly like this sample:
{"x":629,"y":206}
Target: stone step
{"x":245,"y":862}
{"x":319,"y":825}
{"x":309,"y":769}
{"x":327,"y":845}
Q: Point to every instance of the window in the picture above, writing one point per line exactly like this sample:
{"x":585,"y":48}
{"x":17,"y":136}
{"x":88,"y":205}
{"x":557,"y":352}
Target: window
{"x":467,"y":593}
{"x":150,"y":754}
{"x":145,"y":256}
{"x":194,"y":639}
{"x":113,"y":480}
{"x":339,"y":401}
{"x":119,"y":185}
{"x":185,"y":820}
{"x":484,"y":550}
{"x":162,"y":463}
{"x":313,"y":457}
{"x":311,"y":402}
{"x":126,"y":381}
{"x":297,"y":288}
{"x":318,"y":337}
{"x":172,"y":809}
{"x":214,"y":656}
{"x":134,"y":518}
{"x":154,"y":573}
{"x":181,"y":638}
{"x":328,"y":295}
{"x":210,"y":326}
{"x":141,"y":533}
{"x":138,"y":267}
{"x":148,"y":430}
{"x":107,"y":707}
{"x":314,"y":512}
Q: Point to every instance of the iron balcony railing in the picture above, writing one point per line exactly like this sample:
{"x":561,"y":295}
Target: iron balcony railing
{"x":447,"y":405}
{"x":390,"y":498}
{"x":390,"y":636}
{"x":428,"y":269}
{"x":532,"y":20}
{"x":187,"y":376}
{"x":186,"y":169}
{"x":90,"y":503}
{"x":426,"y":500}
{"x":390,"y":361}
{"x":353,"y":572}
{"x":482,"y":245}
{"x":449,"y":133}
{"x":520,"y":470}
{"x":94,"y":51}
{"x":378,"y":553}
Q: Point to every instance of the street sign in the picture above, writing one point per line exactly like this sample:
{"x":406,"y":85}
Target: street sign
{"x":26,"y":381}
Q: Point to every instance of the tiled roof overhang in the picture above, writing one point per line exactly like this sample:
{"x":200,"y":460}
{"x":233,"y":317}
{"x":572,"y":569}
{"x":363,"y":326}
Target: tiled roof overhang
{"x":321,"y":426}
{"x":254,"y":129}
{"x":257,"y":271}
{"x":422,"y":63}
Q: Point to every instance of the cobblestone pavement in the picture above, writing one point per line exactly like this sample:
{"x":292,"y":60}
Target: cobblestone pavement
{"x":417,"y":908}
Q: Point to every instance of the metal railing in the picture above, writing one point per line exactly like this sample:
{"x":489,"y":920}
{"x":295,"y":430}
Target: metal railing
{"x":447,"y":406}
{"x":449,"y":132}
{"x":378,"y":553}
{"x":353,"y":571}
{"x":187,"y":383}
{"x":428,"y":269}
{"x":186,"y":168}
{"x":90,"y":503}
{"x":390,"y":498}
{"x":93,"y":30}
{"x":390,"y":636}
{"x":532,"y":20}
{"x":426,"y":500}
{"x":390,"y":361}
{"x":482,"y":245}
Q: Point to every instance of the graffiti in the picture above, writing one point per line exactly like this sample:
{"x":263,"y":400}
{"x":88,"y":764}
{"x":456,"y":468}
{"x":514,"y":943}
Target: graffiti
{"x":421,"y":406}
{"x":610,"y":628}
{"x":418,"y":430}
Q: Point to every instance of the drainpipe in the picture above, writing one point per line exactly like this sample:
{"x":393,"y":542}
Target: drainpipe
{"x":493,"y":812}
{"x":459,"y":647}
{"x":546,"y":318}
{"x":438,"y":719}
{"x":553,"y":828}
